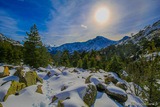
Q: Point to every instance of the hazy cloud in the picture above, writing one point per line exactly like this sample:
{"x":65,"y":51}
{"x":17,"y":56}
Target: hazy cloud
{"x":8,"y":26}
{"x":83,"y":26}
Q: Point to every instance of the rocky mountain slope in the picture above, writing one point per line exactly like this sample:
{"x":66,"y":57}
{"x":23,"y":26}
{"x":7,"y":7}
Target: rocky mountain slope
{"x":64,"y":87}
{"x":4,"y":38}
{"x":147,"y":32}
{"x":97,"y":43}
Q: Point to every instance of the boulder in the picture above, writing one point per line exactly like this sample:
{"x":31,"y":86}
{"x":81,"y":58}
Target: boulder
{"x":110,"y":78}
{"x":121,"y":85}
{"x":63,"y":88}
{"x":54,"y":99}
{"x":60,"y":103}
{"x":90,"y":95}
{"x":116,"y":93}
{"x":15,"y":87}
{"x":32,"y":78}
{"x":88,"y":79}
{"x":20,"y":73}
{"x":6,"y":71}
{"x":49,"y":74}
{"x":1,"y":105}
{"x":39,"y":89}
{"x":101,"y":87}
{"x":75,"y":71}
{"x":29,"y":78}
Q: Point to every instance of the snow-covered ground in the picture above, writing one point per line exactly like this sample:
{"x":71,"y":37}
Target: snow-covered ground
{"x":69,"y":86}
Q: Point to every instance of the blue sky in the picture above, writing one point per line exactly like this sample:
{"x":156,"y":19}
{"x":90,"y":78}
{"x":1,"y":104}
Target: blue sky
{"x":64,"y":21}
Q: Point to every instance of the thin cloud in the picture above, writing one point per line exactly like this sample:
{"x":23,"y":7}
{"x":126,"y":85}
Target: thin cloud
{"x":83,"y":26}
{"x":8,"y":26}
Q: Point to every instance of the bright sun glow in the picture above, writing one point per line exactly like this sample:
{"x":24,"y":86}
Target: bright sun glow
{"x":102,"y":15}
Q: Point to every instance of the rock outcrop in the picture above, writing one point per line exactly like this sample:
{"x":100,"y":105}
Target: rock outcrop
{"x":99,"y":85}
{"x":60,"y":103}
{"x":29,"y":78}
{"x":90,"y":95}
{"x":32,"y":78}
{"x":1,"y":105}
{"x":116,"y":93}
{"x":110,"y":78}
{"x":5,"y":72}
{"x":15,"y":87}
{"x":39,"y":89}
{"x":121,"y":85}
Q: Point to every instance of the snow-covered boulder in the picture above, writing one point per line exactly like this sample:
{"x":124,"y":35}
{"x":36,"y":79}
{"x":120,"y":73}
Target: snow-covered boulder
{"x":5,"y":72}
{"x":134,"y":101}
{"x":3,"y":90}
{"x":15,"y":87}
{"x":32,"y":78}
{"x":110,"y":78}
{"x":116,"y":93}
{"x":97,"y":82}
{"x":90,"y":95}
{"x":121,"y":85}
{"x":49,"y":67}
{"x":51,"y":73}
{"x":1,"y":69}
{"x":29,"y":77}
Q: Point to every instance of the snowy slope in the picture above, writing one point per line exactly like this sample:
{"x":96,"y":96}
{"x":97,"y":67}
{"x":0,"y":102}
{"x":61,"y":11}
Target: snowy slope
{"x":97,"y":43}
{"x":68,"y":84}
{"x":147,"y":32}
{"x":4,"y":38}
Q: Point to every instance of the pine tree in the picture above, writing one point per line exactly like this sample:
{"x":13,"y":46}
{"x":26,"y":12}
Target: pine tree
{"x":93,"y":62}
{"x":65,"y":59}
{"x":115,"y":65}
{"x":80,"y":63}
{"x":152,"y":77}
{"x":86,"y":63}
{"x":35,"y":54}
{"x":75,"y":58}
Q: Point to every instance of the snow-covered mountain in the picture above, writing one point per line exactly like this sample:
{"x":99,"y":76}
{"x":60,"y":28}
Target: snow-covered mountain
{"x":97,"y":43}
{"x":147,"y":32}
{"x":4,"y":38}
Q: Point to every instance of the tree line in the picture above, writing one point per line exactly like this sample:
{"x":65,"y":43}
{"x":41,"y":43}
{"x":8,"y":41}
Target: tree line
{"x":32,"y":53}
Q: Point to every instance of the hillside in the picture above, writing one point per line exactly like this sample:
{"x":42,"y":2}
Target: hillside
{"x":4,"y":38}
{"x":66,"y":87}
{"x":147,"y":32}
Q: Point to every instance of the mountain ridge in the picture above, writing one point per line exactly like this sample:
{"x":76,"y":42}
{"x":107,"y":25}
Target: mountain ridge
{"x":97,"y":43}
{"x":5,"y":38}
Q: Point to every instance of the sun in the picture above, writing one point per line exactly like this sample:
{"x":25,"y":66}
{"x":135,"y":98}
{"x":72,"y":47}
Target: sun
{"x":102,"y":15}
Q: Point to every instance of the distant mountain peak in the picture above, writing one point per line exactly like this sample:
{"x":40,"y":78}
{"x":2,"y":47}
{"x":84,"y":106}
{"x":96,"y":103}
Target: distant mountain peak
{"x":97,"y":43}
{"x":100,"y":37}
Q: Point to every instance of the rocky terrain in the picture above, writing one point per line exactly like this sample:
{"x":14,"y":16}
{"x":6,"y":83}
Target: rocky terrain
{"x":64,"y":87}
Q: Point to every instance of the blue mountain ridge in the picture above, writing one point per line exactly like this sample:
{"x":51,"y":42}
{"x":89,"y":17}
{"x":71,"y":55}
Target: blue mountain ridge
{"x":97,"y":43}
